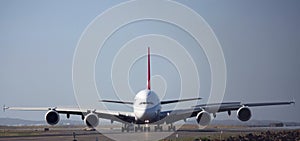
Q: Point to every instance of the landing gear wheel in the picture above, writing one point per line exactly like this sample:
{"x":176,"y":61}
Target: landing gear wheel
{"x":156,"y":128}
{"x":137,"y":128}
{"x":146,"y":129}
{"x":127,"y":128}
{"x":171,"y":127}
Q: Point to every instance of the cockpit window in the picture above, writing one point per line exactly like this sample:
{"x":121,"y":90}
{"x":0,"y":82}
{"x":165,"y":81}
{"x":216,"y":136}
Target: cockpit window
{"x":146,"y":103}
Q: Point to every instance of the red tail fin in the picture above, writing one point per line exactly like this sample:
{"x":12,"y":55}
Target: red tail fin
{"x":148,"y":82}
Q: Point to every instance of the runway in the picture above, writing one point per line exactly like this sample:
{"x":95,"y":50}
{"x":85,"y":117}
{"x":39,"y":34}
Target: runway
{"x":109,"y":134}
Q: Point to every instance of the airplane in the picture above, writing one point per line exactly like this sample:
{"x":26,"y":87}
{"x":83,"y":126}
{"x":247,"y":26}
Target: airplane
{"x":147,"y":109}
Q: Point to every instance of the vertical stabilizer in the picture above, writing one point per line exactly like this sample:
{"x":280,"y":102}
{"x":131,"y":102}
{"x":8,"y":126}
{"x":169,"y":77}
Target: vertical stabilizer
{"x":148,"y":80}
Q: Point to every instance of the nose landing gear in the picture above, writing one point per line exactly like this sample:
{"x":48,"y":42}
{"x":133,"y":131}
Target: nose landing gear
{"x":147,"y":128}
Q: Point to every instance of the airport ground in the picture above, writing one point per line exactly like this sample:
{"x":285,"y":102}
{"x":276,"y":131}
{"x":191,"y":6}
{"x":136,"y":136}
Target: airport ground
{"x":185,"y":133}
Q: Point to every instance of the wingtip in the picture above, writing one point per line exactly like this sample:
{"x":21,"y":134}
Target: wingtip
{"x":293,"y":101}
{"x":5,"y":108}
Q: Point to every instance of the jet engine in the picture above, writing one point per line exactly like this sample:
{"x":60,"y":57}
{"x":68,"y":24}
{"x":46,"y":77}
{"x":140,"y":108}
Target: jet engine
{"x":52,"y":117}
{"x":244,"y":113}
{"x":91,"y":120}
{"x":203,"y":118}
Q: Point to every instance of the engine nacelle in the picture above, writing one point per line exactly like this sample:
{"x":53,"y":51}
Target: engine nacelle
{"x":52,"y":117}
{"x":91,"y":120}
{"x":244,"y":113}
{"x":203,"y":118}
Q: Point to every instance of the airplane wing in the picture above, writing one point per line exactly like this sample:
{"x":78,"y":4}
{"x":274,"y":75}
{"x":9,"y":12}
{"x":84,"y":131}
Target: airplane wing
{"x":211,"y":108}
{"x":165,"y":116}
{"x":229,"y":106}
{"x":119,"y":116}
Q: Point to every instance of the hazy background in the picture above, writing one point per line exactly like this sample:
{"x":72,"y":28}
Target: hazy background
{"x":260,"y":41}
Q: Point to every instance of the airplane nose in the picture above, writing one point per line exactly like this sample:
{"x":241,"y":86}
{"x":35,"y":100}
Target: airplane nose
{"x":140,"y":114}
{"x":144,"y":114}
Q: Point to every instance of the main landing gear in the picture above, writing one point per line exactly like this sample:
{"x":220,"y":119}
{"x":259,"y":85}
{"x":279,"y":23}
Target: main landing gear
{"x":131,"y":127}
{"x":146,"y":128}
{"x":127,"y":127}
{"x":158,"y":128}
{"x":137,"y":128}
{"x":171,"y":127}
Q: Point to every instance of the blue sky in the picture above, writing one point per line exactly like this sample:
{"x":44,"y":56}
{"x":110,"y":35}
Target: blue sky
{"x":260,"y":41}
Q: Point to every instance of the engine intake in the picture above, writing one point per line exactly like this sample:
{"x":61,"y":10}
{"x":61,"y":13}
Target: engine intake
{"x":244,"y":113}
{"x":52,"y":117}
{"x":91,"y":120}
{"x":203,"y":118}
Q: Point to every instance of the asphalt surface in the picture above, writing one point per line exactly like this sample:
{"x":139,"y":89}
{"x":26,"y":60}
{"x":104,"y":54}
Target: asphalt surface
{"x":114,"y":133}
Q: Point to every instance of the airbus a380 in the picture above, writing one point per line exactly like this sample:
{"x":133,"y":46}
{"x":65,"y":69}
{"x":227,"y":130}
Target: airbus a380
{"x":147,"y":110}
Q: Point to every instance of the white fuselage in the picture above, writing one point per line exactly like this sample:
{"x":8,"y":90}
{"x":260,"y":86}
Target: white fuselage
{"x":146,"y":106}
